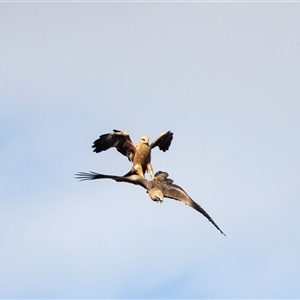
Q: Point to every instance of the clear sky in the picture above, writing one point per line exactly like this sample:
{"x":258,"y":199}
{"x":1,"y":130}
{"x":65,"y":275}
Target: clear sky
{"x":224,"y":77}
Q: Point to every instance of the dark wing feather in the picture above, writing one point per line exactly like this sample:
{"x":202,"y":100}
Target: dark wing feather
{"x":118,"y":139}
{"x":175,"y":192}
{"x":163,"y":141}
{"x":133,"y":179}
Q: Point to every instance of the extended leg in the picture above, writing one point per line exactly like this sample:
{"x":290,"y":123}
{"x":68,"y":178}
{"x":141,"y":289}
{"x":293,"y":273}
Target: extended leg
{"x":150,"y":171}
{"x":139,"y":170}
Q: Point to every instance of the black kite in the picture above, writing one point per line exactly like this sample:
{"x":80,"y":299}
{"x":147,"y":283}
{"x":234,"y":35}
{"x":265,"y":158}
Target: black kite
{"x":157,"y":189}
{"x":139,"y":155}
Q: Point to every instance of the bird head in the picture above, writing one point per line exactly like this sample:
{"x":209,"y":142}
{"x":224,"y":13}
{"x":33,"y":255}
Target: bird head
{"x":144,"y":139}
{"x":156,"y":194}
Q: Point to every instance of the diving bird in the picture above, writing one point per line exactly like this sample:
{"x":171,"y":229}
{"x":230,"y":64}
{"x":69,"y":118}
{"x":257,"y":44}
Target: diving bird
{"x":157,"y":189}
{"x":139,"y":155}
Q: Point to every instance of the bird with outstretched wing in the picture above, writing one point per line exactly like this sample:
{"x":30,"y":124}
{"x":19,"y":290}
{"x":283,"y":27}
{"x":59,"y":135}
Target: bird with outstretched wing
{"x":157,"y":189}
{"x":139,"y":155}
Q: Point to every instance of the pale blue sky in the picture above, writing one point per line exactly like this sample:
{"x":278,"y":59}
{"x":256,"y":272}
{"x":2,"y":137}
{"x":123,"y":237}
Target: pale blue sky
{"x":224,"y":77}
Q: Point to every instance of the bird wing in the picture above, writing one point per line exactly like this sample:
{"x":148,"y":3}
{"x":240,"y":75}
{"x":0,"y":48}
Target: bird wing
{"x":133,"y":179}
{"x":163,"y":141}
{"x":175,"y":192}
{"x":118,"y":139}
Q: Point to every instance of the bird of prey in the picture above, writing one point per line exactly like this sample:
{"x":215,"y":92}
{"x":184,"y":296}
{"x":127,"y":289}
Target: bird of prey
{"x":157,"y":189}
{"x":139,"y":155}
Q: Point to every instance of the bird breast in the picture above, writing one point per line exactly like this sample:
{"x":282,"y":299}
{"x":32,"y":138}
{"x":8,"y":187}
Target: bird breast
{"x":142,"y":154}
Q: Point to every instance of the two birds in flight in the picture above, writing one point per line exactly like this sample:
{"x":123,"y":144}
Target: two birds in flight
{"x":140,"y":155}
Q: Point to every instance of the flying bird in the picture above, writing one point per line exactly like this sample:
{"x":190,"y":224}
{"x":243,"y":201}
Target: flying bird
{"x":157,"y":189}
{"x":139,"y":155}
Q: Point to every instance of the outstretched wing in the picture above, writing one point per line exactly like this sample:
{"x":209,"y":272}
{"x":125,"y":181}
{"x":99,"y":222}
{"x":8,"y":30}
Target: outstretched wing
{"x":118,"y":139}
{"x":175,"y":192}
{"x":163,"y":141}
{"x":133,"y":179}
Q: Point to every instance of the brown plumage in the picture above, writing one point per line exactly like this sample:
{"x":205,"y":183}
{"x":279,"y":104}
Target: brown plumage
{"x":139,"y":155}
{"x":157,"y":189}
